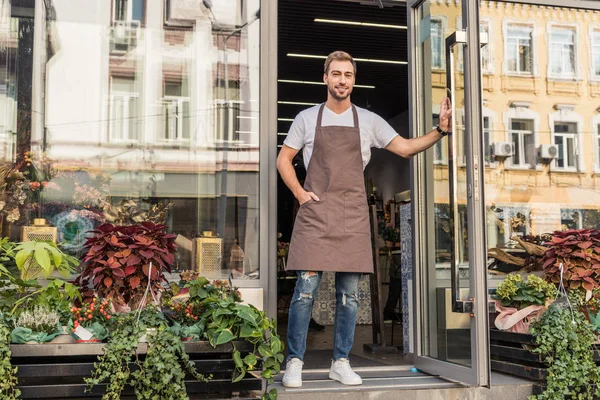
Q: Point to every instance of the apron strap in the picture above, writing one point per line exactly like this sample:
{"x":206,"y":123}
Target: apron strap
{"x":320,"y":116}
{"x":355,"y":114}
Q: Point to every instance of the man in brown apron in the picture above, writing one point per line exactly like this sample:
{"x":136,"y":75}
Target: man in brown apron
{"x":331,"y":231}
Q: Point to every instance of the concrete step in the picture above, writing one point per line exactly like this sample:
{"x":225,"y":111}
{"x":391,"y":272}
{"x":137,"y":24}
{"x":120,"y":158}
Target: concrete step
{"x":393,"y":383}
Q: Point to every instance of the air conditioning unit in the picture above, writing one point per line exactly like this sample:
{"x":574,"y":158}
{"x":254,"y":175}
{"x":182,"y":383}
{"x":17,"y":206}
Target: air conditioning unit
{"x":502,"y":149}
{"x":548,"y":151}
{"x":123,"y":36}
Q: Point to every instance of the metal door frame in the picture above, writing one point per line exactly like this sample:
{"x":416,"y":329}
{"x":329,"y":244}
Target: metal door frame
{"x":422,"y":184}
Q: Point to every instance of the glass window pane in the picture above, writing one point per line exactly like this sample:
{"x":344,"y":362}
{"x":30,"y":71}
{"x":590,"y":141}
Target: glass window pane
{"x":133,"y":118}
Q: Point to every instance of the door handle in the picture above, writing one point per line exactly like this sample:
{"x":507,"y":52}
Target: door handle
{"x":458,"y":305}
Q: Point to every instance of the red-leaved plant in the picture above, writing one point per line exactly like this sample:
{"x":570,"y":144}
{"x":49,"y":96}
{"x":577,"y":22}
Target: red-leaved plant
{"x":579,"y":252}
{"x":117,"y":263}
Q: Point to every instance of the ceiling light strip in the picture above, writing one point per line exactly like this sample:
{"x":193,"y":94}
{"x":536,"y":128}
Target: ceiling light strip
{"x":299,"y":103}
{"x":281,"y":134}
{"x":320,"y":83}
{"x":356,"y":59}
{"x":357,"y":23}
{"x":285,"y":119}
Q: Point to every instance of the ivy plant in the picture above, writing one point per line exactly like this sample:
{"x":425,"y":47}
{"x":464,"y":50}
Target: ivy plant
{"x":8,"y":372}
{"x":162,"y":373}
{"x":564,"y":340}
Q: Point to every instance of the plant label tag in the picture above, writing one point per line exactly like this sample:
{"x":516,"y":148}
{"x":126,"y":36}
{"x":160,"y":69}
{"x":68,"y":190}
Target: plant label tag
{"x":83,"y":333}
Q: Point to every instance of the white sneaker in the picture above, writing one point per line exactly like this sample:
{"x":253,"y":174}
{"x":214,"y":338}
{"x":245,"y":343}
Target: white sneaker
{"x":292,"y":377}
{"x":341,"y":371}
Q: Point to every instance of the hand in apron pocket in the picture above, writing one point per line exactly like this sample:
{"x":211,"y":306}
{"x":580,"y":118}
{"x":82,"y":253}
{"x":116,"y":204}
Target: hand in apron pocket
{"x":312,"y":216}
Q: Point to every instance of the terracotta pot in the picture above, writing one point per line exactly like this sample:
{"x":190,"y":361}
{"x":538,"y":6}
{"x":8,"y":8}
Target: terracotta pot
{"x":89,"y":341}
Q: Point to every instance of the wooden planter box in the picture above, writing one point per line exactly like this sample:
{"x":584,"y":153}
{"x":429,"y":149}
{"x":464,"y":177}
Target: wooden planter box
{"x":511,"y":353}
{"x":52,"y":371}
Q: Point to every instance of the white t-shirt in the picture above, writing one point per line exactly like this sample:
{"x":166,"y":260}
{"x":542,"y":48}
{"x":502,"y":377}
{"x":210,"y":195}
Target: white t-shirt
{"x":374,"y":130}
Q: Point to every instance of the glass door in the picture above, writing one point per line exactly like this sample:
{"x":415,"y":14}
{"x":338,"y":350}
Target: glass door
{"x":451,"y":314}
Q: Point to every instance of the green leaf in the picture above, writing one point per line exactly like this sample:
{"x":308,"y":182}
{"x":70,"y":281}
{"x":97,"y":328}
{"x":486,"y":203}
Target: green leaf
{"x":21,"y":258}
{"x":238,"y":374}
{"x":225,"y":336}
{"x":237,"y":359}
{"x":250,"y":359}
{"x":247,"y":316}
{"x":56,"y":255}
{"x":43,"y":259}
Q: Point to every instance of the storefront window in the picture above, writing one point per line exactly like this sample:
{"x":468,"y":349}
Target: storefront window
{"x":128,"y":111}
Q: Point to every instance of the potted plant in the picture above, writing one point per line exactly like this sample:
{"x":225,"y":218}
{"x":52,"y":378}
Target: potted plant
{"x":8,"y":372}
{"x":185,"y":314}
{"x":122,"y":261}
{"x":38,"y":325}
{"x":165,"y":360}
{"x":564,"y":339}
{"x":520,"y":301}
{"x":90,"y":321}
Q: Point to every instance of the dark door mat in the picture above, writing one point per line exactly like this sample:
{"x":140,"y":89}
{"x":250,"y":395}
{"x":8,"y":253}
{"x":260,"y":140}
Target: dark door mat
{"x":319,"y":359}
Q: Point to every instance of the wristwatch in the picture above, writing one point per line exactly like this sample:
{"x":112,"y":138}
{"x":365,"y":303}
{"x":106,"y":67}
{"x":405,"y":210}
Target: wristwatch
{"x":441,"y":132}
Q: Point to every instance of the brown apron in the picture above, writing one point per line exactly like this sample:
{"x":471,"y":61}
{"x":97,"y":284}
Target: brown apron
{"x":333,"y":234}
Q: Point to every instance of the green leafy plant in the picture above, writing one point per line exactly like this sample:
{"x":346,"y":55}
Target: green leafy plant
{"x":8,"y":372}
{"x":516,"y":292}
{"x":114,"y":364}
{"x":227,"y":320}
{"x":59,"y":295}
{"x":35,"y":258}
{"x":565,"y":341}
{"x":579,"y":253}
{"x":122,"y":260}
{"x":160,"y":376}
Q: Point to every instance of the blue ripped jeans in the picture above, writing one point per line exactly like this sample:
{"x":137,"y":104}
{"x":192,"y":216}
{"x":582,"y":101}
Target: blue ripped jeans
{"x":346,"y":295}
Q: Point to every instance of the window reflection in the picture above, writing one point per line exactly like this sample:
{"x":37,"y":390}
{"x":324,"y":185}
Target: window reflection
{"x":140,"y":105}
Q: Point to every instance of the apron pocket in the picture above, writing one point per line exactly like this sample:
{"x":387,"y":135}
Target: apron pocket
{"x":312,"y":216}
{"x":356,"y":214}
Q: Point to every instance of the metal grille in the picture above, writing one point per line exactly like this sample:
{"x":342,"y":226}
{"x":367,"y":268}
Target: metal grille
{"x":209,"y":253}
{"x":39,"y":233}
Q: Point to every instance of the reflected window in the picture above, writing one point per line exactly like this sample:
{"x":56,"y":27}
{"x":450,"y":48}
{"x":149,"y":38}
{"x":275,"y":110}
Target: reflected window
{"x":175,"y":112}
{"x":565,"y":137}
{"x":519,"y":52}
{"x":596,"y":53}
{"x":523,"y":139}
{"x":437,"y":44}
{"x":128,"y":10}
{"x":487,"y":147}
{"x":123,"y":110}
{"x":486,"y":66}
{"x":440,"y":149}
{"x":562,"y":57}
{"x":598,"y":146}
{"x":571,"y":219}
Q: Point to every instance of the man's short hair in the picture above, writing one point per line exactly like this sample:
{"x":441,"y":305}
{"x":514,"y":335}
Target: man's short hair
{"x":339,"y":56}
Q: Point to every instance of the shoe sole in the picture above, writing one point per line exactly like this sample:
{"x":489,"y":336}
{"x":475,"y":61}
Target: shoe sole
{"x":291,"y":385}
{"x":336,"y":377}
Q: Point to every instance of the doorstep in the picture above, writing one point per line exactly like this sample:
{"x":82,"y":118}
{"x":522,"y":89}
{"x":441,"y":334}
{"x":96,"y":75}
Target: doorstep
{"x":385,"y":383}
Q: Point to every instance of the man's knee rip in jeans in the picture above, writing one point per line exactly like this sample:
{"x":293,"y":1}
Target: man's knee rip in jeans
{"x":346,"y":295}
{"x":307,"y":274}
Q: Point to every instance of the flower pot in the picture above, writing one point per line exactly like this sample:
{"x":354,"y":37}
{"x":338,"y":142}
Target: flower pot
{"x":186,"y":339}
{"x":89,"y":341}
{"x":144,"y":337}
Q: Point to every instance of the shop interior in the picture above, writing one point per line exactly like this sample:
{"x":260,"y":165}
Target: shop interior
{"x":307,"y":32}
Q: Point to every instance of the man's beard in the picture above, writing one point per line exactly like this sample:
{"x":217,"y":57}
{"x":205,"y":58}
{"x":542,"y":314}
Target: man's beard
{"x":335,"y":95}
